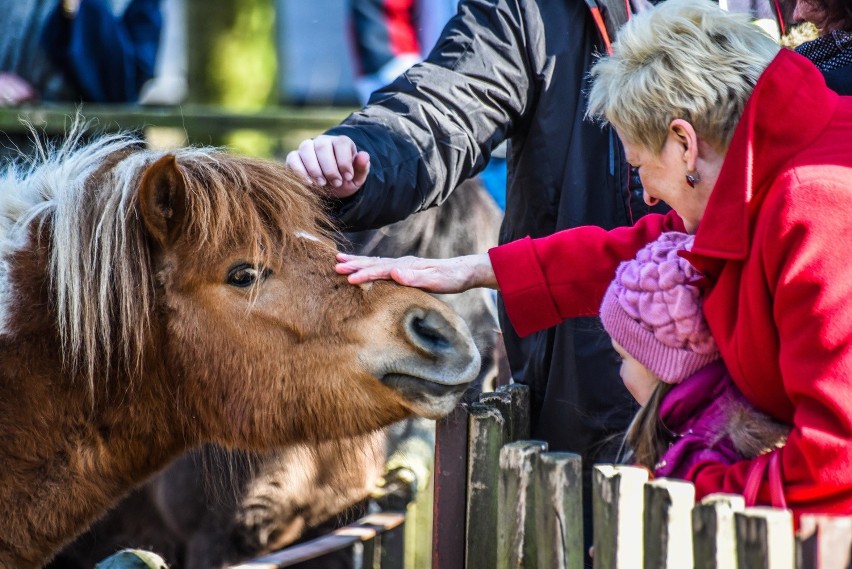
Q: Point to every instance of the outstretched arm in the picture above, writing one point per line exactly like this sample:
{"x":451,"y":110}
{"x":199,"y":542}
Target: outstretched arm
{"x":457,"y":274}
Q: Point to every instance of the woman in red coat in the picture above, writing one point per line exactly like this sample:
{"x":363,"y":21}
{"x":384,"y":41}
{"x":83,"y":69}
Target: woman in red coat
{"x":754,"y":155}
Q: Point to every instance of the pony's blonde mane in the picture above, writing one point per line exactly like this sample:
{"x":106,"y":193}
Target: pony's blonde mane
{"x":85,"y":195}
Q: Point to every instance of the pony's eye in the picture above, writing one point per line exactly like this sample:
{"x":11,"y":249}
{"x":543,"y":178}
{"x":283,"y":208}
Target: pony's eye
{"x":245,"y":275}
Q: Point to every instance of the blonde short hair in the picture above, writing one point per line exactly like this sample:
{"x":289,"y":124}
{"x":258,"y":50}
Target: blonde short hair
{"x":682,"y":59}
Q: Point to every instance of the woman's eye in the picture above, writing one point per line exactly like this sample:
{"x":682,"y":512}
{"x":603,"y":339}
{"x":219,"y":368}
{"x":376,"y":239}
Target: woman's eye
{"x":243,"y":276}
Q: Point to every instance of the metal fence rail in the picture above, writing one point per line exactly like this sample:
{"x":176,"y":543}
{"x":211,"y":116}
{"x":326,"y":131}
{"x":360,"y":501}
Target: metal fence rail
{"x":373,"y":542}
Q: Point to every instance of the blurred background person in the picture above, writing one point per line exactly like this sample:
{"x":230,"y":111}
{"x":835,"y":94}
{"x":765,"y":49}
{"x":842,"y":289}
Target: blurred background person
{"x":831,"y":51}
{"x":388,"y":37}
{"x":77,"y":50}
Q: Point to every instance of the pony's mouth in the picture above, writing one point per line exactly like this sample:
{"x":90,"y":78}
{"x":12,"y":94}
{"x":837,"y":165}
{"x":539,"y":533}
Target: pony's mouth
{"x":429,"y":399}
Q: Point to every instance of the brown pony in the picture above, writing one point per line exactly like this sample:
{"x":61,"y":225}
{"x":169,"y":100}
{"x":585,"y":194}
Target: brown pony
{"x":212,"y":508}
{"x":151,"y":302}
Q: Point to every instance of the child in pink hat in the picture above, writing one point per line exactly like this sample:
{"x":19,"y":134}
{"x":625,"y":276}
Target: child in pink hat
{"x":691,"y":410}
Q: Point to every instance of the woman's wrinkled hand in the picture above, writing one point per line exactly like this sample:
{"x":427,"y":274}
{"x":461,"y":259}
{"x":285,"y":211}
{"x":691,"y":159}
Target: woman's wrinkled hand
{"x":457,"y":274}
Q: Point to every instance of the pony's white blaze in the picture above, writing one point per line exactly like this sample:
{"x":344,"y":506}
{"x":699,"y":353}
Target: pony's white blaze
{"x":305,"y":235}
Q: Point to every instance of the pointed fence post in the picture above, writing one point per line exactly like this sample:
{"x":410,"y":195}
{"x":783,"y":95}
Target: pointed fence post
{"x":714,"y":541}
{"x":667,"y":524}
{"x":617,"y":508}
{"x":518,"y":463}
{"x":765,"y":539}
{"x":559,"y":511}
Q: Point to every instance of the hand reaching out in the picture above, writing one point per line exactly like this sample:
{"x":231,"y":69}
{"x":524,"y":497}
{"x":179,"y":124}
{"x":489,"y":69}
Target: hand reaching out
{"x":457,"y":274}
{"x":333,"y":162}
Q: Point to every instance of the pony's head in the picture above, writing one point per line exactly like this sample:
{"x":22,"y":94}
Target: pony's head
{"x":212,"y":275}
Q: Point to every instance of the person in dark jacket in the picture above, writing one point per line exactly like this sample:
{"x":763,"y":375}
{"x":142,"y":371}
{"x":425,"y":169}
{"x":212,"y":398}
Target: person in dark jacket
{"x":503,"y":69}
{"x":516,"y":70}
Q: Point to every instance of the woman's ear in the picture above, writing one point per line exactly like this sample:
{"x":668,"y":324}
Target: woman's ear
{"x":685,"y":134}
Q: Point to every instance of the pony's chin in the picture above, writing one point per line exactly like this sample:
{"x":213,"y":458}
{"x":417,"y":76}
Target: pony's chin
{"x":425,"y":398}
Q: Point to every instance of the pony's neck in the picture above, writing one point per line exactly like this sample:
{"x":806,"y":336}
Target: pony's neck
{"x":67,"y":459}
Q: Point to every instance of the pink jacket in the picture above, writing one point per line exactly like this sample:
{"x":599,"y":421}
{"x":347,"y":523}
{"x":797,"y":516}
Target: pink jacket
{"x":709,"y":420}
{"x":774,"y":244}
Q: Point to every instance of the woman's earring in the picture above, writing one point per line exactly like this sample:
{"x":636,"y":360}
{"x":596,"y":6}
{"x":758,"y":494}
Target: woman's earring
{"x":692,"y":178}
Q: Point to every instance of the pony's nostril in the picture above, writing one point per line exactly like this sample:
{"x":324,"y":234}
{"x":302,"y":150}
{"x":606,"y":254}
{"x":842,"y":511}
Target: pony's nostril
{"x":428,"y":330}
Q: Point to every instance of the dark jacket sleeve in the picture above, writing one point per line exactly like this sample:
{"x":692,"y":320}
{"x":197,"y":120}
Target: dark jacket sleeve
{"x":437,"y":124}
{"x":107,"y":58}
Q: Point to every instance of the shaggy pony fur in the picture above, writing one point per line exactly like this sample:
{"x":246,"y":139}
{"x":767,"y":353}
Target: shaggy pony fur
{"x":152,"y":301}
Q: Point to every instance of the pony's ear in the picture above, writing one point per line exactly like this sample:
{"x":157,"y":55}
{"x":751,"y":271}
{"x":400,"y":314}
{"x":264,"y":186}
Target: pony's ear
{"x":162,"y":199}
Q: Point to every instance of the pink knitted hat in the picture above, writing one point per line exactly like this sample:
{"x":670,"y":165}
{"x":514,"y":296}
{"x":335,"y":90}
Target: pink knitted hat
{"x":653,"y":310}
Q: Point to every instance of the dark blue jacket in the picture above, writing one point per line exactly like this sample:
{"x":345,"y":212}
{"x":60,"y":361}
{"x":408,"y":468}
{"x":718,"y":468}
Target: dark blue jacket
{"x":107,"y":58}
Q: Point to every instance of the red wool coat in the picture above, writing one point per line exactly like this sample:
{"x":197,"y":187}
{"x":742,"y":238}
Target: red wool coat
{"x":776,"y":245}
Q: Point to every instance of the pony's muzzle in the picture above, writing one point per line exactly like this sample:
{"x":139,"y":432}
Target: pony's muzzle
{"x":431,"y":357}
{"x":446,"y":352}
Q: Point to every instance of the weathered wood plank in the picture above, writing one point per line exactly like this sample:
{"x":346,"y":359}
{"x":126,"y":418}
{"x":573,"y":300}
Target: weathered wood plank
{"x":487,"y":432}
{"x":513,"y":401}
{"x":825,"y":542}
{"x":765,"y":538}
{"x":617,"y":504}
{"x":714,"y":543}
{"x":448,"y":520}
{"x":667,"y":524}
{"x":517,"y":497}
{"x":559,"y":511}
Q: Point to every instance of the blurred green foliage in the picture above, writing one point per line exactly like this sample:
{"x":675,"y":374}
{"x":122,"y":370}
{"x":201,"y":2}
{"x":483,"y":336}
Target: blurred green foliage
{"x":243,"y":61}
{"x":232,"y":63}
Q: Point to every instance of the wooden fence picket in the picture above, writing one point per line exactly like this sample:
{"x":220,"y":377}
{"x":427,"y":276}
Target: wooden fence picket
{"x":825,"y":542}
{"x":513,"y":403}
{"x":488,"y":432}
{"x":714,"y":543}
{"x":450,"y":496}
{"x":517,"y":498}
{"x":559,"y":511}
{"x":667,"y":524}
{"x":617,"y":512}
{"x":765,"y":539}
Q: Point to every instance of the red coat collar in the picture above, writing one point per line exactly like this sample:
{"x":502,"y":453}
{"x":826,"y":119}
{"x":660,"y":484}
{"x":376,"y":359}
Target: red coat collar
{"x":789,"y":108}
